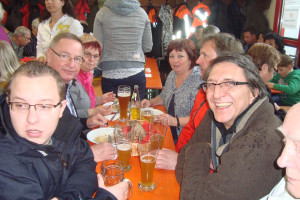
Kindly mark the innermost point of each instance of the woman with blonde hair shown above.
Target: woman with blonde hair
(8, 63)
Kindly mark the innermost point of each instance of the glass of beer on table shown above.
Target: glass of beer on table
(112, 172)
(123, 135)
(148, 151)
(159, 131)
(124, 93)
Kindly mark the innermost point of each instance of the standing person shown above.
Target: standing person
(237, 137)
(58, 17)
(289, 187)
(123, 28)
(181, 87)
(65, 56)
(85, 98)
(212, 46)
(35, 161)
(19, 39)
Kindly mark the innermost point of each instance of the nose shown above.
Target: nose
(286, 159)
(198, 61)
(218, 91)
(32, 115)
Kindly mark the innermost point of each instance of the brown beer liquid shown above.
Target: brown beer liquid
(123, 101)
(157, 141)
(124, 153)
(147, 169)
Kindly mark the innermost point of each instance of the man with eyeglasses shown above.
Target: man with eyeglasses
(64, 55)
(19, 39)
(237, 137)
(36, 161)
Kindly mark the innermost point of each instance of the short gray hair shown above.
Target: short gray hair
(21, 30)
(250, 71)
(210, 29)
(9, 61)
(64, 35)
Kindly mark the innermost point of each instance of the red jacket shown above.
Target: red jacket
(197, 113)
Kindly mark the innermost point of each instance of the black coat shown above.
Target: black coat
(65, 169)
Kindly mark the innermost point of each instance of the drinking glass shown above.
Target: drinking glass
(159, 131)
(124, 92)
(112, 172)
(123, 135)
(148, 151)
(147, 115)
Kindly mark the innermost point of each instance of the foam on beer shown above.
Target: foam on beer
(124, 147)
(148, 158)
(124, 94)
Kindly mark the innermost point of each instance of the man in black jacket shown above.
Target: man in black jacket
(35, 158)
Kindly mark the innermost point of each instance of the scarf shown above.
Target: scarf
(85, 79)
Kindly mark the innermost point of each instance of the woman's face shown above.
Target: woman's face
(179, 61)
(91, 57)
(54, 5)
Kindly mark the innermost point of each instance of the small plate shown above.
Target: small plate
(108, 104)
(155, 111)
(110, 116)
(92, 135)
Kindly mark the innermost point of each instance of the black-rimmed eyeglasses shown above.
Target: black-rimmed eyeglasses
(67, 58)
(224, 85)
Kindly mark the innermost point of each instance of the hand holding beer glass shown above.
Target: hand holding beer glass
(123, 134)
(112, 172)
(148, 151)
(124, 93)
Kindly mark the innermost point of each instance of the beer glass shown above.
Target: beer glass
(148, 150)
(159, 131)
(124, 93)
(147, 115)
(112, 172)
(123, 134)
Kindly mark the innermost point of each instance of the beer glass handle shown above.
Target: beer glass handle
(129, 194)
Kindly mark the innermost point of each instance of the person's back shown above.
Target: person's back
(288, 81)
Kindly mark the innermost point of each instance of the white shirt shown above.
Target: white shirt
(45, 34)
(279, 192)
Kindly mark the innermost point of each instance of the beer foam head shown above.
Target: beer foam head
(123, 147)
(124, 94)
(148, 158)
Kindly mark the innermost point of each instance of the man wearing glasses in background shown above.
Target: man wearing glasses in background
(237, 137)
(36, 162)
(19, 39)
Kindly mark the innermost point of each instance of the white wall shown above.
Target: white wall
(270, 13)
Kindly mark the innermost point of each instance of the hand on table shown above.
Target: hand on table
(103, 151)
(108, 97)
(145, 103)
(119, 191)
(166, 159)
(96, 120)
(105, 110)
(167, 119)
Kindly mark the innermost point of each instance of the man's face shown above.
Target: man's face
(24, 39)
(266, 74)
(284, 71)
(207, 53)
(68, 70)
(227, 104)
(249, 38)
(272, 43)
(35, 126)
(290, 156)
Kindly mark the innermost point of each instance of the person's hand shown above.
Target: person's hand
(108, 97)
(167, 119)
(103, 151)
(270, 85)
(145, 103)
(42, 59)
(105, 110)
(166, 159)
(119, 190)
(96, 120)
(276, 106)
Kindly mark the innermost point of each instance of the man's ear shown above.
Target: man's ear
(264, 68)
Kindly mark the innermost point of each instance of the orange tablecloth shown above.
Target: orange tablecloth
(166, 186)
(153, 82)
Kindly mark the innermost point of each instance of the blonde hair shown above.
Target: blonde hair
(8, 62)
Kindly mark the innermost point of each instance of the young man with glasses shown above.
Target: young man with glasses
(237, 137)
(36, 161)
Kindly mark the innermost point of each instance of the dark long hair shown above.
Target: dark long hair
(66, 9)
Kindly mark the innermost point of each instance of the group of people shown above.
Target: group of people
(223, 118)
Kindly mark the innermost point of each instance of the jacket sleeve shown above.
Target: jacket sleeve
(76, 28)
(247, 170)
(39, 49)
(98, 27)
(147, 42)
(82, 179)
(292, 88)
(17, 180)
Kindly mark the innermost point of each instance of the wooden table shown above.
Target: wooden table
(166, 186)
(153, 82)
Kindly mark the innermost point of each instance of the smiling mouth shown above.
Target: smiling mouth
(223, 105)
